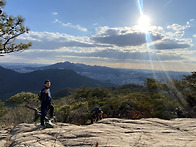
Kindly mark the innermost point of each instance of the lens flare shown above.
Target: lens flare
(144, 24)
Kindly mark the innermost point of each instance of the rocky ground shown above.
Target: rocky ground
(110, 132)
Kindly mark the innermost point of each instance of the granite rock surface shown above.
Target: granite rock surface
(110, 132)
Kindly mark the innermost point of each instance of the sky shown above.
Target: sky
(133, 34)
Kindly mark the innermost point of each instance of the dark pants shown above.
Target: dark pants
(44, 110)
(95, 116)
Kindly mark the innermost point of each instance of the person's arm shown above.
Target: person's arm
(46, 90)
(43, 93)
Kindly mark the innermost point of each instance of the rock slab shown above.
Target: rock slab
(110, 132)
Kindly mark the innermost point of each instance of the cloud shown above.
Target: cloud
(50, 40)
(78, 27)
(123, 37)
(126, 43)
(171, 44)
(114, 38)
(54, 13)
(156, 38)
(126, 55)
(177, 27)
(190, 22)
(179, 30)
(106, 55)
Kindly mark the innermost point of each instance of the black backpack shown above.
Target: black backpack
(40, 96)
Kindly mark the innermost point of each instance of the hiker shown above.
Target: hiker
(96, 114)
(179, 113)
(46, 102)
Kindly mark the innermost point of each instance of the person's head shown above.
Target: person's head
(47, 84)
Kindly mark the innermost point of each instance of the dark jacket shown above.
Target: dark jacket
(96, 110)
(46, 97)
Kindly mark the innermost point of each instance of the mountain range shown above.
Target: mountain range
(13, 82)
(15, 78)
(105, 74)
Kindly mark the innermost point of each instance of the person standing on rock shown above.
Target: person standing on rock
(46, 102)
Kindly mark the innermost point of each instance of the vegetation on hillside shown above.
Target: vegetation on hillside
(166, 100)
(35, 79)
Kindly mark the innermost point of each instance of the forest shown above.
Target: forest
(165, 100)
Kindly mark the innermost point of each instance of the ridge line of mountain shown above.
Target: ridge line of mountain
(15, 82)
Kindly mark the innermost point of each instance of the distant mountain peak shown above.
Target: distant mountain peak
(14, 82)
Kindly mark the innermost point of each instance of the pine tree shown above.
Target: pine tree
(10, 28)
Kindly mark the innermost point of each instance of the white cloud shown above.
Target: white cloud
(54, 13)
(105, 37)
(123, 43)
(130, 37)
(50, 40)
(123, 37)
(177, 27)
(127, 55)
(167, 43)
(114, 38)
(78, 27)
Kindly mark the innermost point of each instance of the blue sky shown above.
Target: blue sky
(107, 33)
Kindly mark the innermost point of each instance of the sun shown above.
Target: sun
(144, 23)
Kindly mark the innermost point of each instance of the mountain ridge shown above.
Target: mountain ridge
(14, 82)
(117, 76)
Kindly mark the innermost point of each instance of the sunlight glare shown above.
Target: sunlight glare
(144, 23)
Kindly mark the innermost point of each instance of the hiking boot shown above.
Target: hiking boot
(42, 126)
